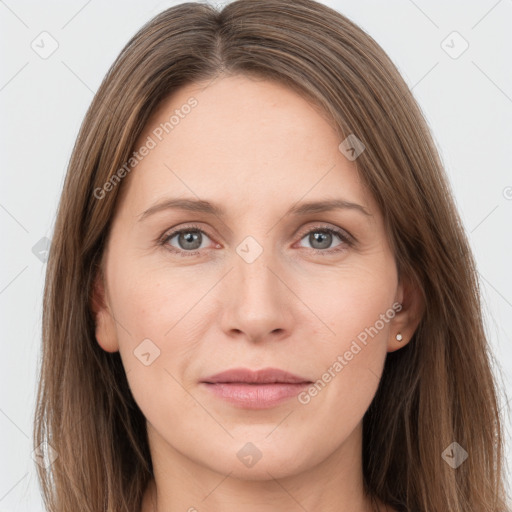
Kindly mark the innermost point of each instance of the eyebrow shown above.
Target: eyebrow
(202, 206)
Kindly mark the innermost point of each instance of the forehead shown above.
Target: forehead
(241, 141)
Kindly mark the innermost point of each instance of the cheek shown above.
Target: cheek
(154, 294)
(356, 304)
(157, 330)
(351, 298)
(159, 304)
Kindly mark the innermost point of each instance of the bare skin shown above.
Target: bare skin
(255, 149)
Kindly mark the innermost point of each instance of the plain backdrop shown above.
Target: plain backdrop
(465, 94)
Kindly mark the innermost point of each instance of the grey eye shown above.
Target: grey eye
(187, 239)
(322, 238)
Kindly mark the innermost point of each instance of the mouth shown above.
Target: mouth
(259, 389)
(264, 376)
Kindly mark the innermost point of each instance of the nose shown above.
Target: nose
(258, 305)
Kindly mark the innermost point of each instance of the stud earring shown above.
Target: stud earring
(398, 337)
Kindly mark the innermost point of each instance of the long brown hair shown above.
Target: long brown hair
(437, 390)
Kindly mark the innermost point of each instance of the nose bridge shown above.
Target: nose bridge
(253, 262)
(258, 302)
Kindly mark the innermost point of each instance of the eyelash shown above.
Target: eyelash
(346, 239)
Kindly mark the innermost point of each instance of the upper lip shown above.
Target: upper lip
(263, 376)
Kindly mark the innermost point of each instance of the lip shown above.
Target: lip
(260, 389)
(263, 376)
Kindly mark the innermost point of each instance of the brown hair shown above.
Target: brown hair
(436, 390)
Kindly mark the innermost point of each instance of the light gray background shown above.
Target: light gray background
(466, 100)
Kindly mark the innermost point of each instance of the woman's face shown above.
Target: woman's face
(260, 278)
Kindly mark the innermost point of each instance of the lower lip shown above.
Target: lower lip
(256, 396)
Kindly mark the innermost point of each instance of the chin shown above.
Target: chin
(263, 460)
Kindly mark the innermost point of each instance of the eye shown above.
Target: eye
(187, 241)
(321, 238)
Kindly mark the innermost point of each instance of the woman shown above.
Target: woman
(259, 294)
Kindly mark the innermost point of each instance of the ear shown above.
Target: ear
(407, 318)
(105, 326)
